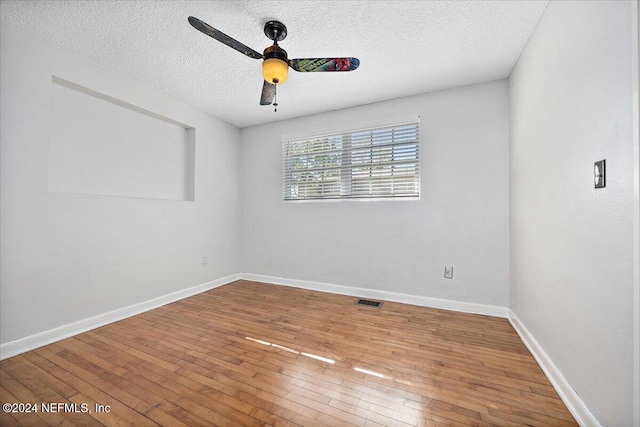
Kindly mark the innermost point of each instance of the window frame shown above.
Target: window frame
(409, 149)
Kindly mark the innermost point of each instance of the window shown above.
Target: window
(377, 162)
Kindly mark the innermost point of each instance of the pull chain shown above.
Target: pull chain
(275, 98)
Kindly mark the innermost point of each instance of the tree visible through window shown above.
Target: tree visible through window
(371, 163)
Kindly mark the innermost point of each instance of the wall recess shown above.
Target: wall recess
(101, 145)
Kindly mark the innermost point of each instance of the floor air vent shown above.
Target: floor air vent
(369, 303)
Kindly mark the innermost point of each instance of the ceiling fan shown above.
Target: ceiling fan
(275, 63)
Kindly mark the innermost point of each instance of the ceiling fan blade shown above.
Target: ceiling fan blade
(268, 93)
(306, 65)
(223, 38)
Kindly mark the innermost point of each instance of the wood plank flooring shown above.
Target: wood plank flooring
(252, 354)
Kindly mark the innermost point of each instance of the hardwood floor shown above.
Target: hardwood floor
(264, 355)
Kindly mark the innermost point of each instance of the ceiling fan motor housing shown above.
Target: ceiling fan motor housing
(275, 51)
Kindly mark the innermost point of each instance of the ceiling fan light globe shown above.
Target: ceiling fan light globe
(275, 71)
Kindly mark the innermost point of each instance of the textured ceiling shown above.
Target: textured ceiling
(405, 47)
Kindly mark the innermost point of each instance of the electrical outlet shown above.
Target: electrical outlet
(448, 272)
(204, 260)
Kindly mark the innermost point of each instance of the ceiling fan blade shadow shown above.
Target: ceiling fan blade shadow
(268, 93)
(207, 29)
(310, 65)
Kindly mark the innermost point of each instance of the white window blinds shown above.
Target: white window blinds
(378, 162)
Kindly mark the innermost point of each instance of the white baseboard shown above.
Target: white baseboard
(576, 406)
(466, 307)
(40, 339)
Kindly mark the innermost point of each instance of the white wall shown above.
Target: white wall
(401, 246)
(65, 258)
(572, 245)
